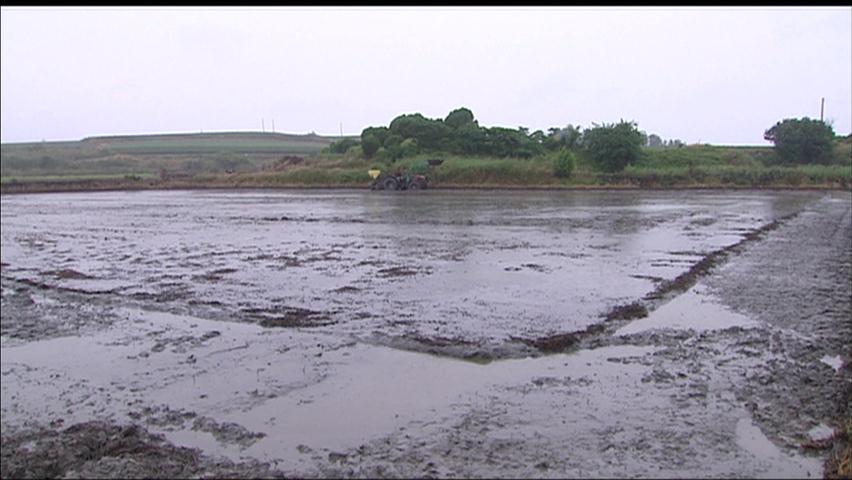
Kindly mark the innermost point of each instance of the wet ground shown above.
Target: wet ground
(445, 334)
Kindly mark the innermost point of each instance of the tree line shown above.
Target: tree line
(609, 147)
(459, 133)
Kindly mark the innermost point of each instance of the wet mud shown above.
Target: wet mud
(463, 334)
(102, 450)
(664, 290)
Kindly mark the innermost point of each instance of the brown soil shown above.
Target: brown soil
(104, 450)
(627, 312)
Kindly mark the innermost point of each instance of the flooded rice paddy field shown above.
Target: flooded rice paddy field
(443, 334)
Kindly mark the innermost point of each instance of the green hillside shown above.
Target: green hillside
(151, 154)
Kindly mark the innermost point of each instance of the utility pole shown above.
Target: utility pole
(262, 126)
(341, 129)
(273, 125)
(821, 108)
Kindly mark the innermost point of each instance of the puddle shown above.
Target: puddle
(695, 310)
(777, 464)
(380, 390)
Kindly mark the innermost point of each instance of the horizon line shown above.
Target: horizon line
(154, 134)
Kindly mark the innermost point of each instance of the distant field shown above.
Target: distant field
(151, 154)
(178, 143)
(212, 143)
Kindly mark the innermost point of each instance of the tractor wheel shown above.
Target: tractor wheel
(390, 183)
(414, 186)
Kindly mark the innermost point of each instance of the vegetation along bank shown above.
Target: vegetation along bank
(806, 153)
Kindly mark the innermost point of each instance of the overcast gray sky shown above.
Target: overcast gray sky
(709, 75)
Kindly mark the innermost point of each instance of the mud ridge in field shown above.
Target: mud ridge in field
(289, 317)
(589, 337)
(665, 291)
(47, 286)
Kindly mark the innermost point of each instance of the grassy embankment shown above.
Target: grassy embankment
(279, 160)
(687, 167)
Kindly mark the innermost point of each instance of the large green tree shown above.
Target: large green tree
(459, 133)
(507, 142)
(469, 139)
(429, 134)
(654, 141)
(567, 137)
(613, 147)
(802, 141)
(370, 144)
(459, 118)
(381, 133)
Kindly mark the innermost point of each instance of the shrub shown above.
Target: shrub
(408, 147)
(355, 151)
(382, 155)
(613, 147)
(342, 145)
(563, 163)
(802, 141)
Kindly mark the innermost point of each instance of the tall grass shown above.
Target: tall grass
(705, 156)
(485, 171)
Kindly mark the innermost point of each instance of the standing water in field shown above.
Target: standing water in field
(413, 269)
(287, 328)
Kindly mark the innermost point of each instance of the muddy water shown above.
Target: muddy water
(406, 270)
(289, 328)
